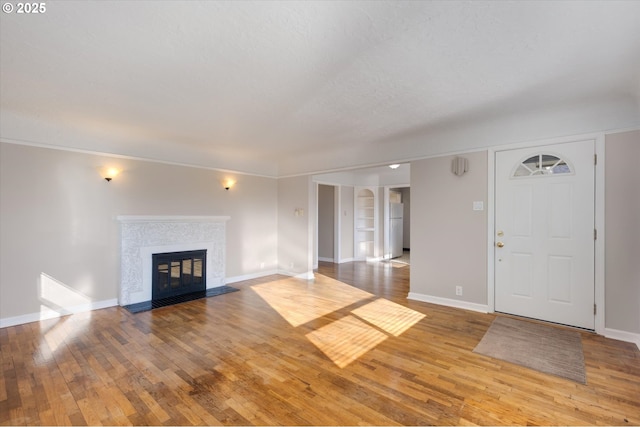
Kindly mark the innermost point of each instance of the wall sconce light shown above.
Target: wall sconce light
(227, 183)
(459, 165)
(110, 173)
(394, 166)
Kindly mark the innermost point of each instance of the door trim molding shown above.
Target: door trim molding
(599, 263)
(599, 209)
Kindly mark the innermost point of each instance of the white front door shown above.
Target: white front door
(544, 251)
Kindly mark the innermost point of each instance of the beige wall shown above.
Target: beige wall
(622, 228)
(58, 218)
(448, 238)
(295, 231)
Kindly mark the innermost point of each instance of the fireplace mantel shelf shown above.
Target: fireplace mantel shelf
(170, 218)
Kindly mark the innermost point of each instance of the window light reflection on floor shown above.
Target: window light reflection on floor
(390, 317)
(57, 301)
(372, 321)
(346, 339)
(299, 303)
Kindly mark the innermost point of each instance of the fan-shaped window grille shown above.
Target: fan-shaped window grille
(542, 164)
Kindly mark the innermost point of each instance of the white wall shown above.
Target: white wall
(57, 221)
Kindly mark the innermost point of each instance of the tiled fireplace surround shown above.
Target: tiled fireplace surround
(143, 236)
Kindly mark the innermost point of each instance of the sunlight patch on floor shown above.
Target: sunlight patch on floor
(390, 317)
(398, 264)
(351, 336)
(301, 302)
(345, 340)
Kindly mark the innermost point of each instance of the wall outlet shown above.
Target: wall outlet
(458, 290)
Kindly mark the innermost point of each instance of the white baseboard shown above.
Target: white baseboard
(465, 305)
(48, 313)
(304, 276)
(341, 261)
(623, 336)
(250, 276)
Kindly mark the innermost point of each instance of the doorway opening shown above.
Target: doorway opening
(398, 224)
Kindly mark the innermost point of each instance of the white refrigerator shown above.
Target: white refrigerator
(396, 212)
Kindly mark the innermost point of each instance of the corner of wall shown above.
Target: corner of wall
(623, 336)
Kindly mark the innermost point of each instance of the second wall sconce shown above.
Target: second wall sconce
(227, 183)
(459, 165)
(110, 173)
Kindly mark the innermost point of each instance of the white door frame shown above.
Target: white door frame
(599, 219)
(337, 223)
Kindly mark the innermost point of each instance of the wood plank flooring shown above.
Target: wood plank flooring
(349, 349)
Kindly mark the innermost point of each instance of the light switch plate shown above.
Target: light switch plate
(478, 206)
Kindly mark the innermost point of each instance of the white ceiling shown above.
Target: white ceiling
(283, 88)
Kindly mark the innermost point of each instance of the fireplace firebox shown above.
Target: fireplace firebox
(178, 273)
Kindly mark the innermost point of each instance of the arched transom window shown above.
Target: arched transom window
(542, 164)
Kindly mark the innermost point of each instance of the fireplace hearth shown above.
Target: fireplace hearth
(192, 296)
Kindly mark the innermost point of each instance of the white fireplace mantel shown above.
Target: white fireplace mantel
(145, 235)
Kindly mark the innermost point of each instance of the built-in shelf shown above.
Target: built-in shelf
(365, 227)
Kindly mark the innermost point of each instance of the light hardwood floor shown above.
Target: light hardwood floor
(348, 349)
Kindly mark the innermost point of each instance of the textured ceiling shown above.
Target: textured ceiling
(281, 88)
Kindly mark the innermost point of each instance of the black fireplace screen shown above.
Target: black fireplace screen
(177, 273)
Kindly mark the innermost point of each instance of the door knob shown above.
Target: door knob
(499, 244)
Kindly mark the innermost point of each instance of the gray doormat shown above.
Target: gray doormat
(537, 346)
